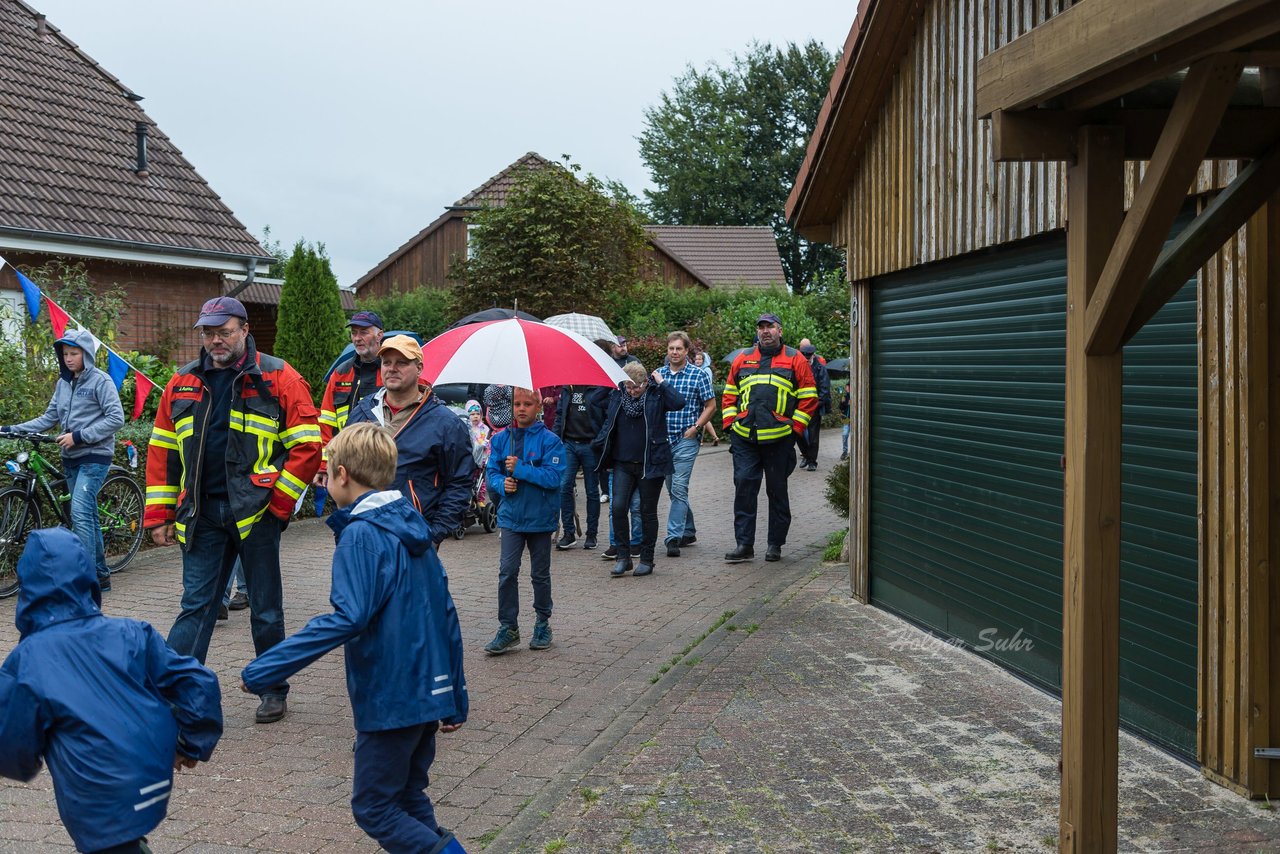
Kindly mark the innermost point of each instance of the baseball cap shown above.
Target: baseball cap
(404, 345)
(621, 340)
(219, 310)
(366, 318)
(768, 318)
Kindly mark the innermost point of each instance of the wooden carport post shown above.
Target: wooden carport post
(1091, 527)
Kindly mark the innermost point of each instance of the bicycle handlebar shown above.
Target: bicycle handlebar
(34, 438)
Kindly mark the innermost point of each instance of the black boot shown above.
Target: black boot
(740, 554)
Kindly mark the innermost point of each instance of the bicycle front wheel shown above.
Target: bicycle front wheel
(19, 516)
(120, 516)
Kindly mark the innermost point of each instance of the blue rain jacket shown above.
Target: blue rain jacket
(535, 505)
(102, 699)
(392, 609)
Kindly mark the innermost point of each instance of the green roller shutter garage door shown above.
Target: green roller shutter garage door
(967, 376)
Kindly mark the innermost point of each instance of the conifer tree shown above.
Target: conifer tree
(310, 324)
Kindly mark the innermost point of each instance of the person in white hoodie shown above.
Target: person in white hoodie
(87, 406)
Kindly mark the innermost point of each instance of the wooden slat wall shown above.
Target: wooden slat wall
(425, 265)
(1239, 604)
(926, 187)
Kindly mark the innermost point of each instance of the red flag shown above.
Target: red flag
(141, 388)
(58, 317)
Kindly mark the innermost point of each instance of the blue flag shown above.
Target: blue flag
(118, 368)
(32, 293)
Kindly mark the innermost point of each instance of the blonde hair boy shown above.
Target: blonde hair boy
(367, 454)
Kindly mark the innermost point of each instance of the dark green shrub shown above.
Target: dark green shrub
(426, 311)
(837, 492)
(310, 326)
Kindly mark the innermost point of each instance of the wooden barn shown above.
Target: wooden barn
(1062, 228)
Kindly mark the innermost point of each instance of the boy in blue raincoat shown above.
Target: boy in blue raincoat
(392, 609)
(103, 700)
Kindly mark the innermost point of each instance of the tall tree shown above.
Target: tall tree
(310, 323)
(724, 147)
(557, 244)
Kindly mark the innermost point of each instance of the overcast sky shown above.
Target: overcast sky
(356, 123)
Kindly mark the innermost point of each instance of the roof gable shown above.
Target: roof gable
(723, 255)
(494, 192)
(68, 154)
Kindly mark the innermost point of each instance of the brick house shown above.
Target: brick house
(86, 176)
(683, 256)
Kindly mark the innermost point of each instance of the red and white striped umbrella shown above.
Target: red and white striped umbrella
(518, 353)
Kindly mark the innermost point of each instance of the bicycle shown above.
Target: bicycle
(35, 478)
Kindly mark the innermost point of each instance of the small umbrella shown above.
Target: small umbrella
(587, 325)
(730, 357)
(492, 314)
(516, 352)
(838, 366)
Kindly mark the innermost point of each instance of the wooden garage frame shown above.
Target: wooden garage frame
(1082, 88)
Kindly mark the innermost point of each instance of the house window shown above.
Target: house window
(13, 310)
(469, 227)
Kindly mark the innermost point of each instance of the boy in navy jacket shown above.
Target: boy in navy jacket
(392, 609)
(526, 465)
(103, 700)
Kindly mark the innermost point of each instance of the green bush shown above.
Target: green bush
(837, 492)
(426, 311)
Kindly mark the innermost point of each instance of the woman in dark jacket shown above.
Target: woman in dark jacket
(633, 442)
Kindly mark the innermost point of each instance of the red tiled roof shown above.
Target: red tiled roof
(67, 154)
(494, 192)
(267, 292)
(724, 255)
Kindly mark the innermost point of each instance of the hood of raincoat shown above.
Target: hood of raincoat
(390, 511)
(58, 581)
(76, 338)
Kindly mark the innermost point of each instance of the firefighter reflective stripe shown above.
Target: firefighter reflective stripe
(329, 418)
(258, 425)
(729, 412)
(341, 415)
(290, 485)
(262, 465)
(162, 496)
(763, 434)
(301, 433)
(244, 526)
(163, 439)
(730, 388)
(801, 417)
(184, 427)
(180, 529)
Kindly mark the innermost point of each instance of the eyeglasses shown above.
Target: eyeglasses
(631, 386)
(224, 334)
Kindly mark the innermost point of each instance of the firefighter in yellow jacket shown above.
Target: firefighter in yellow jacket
(769, 399)
(235, 443)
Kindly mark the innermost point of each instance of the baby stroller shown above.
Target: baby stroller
(479, 509)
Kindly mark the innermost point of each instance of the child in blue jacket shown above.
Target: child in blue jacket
(103, 700)
(392, 609)
(526, 464)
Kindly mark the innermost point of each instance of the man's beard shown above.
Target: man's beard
(230, 358)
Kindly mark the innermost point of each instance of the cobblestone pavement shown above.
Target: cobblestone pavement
(803, 722)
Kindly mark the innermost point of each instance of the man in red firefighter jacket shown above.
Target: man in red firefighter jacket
(354, 378)
(769, 399)
(234, 445)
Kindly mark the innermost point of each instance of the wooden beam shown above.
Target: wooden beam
(1049, 135)
(1227, 36)
(1093, 39)
(1091, 523)
(1183, 143)
(1198, 242)
(860, 441)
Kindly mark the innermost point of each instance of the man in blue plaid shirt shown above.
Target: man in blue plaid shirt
(684, 429)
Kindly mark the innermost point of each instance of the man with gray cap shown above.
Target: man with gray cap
(353, 378)
(235, 442)
(808, 442)
(769, 399)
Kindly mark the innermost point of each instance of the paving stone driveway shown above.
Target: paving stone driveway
(804, 722)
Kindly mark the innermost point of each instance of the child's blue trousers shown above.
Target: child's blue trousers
(388, 797)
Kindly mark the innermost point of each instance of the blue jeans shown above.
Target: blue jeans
(844, 440)
(684, 453)
(236, 580)
(388, 790)
(637, 530)
(513, 546)
(628, 482)
(212, 547)
(83, 482)
(580, 455)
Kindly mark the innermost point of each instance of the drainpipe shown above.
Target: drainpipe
(250, 267)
